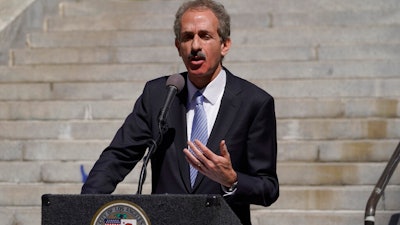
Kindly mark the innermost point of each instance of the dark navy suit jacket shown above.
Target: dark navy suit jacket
(246, 121)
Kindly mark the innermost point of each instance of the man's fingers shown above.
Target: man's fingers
(192, 159)
(224, 149)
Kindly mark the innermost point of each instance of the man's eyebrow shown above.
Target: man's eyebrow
(199, 32)
(187, 32)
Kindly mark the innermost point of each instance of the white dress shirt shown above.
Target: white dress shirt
(212, 100)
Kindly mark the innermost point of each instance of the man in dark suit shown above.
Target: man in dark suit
(237, 161)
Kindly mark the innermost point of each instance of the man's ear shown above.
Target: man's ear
(178, 46)
(226, 46)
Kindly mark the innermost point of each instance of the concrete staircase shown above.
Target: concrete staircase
(333, 67)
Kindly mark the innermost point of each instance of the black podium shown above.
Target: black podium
(159, 209)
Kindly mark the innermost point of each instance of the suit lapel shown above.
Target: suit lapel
(230, 105)
(181, 138)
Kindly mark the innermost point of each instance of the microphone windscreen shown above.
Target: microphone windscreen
(177, 81)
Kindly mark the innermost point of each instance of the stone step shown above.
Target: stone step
(233, 6)
(345, 129)
(96, 73)
(346, 151)
(278, 36)
(334, 198)
(71, 91)
(288, 129)
(284, 107)
(359, 52)
(288, 151)
(160, 54)
(62, 130)
(291, 198)
(65, 110)
(339, 18)
(55, 172)
(318, 217)
(348, 69)
(17, 194)
(52, 150)
(130, 21)
(102, 38)
(21, 215)
(317, 88)
(325, 173)
(16, 18)
(289, 173)
(336, 150)
(293, 107)
(330, 88)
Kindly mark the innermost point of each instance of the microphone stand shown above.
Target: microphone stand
(174, 84)
(153, 145)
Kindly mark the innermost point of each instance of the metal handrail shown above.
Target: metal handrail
(369, 218)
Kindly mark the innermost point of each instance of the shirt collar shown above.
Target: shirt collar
(212, 91)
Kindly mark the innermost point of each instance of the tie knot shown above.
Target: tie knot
(198, 97)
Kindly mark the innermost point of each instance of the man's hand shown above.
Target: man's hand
(216, 167)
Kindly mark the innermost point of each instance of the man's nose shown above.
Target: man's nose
(196, 44)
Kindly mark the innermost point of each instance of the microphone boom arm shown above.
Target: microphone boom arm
(174, 84)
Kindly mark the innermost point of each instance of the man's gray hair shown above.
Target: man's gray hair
(224, 20)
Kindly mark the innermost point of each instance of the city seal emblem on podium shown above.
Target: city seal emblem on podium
(120, 213)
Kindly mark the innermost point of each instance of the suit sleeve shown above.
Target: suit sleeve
(126, 149)
(258, 183)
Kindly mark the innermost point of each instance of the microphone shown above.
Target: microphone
(174, 84)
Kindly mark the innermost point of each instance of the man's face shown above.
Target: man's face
(200, 46)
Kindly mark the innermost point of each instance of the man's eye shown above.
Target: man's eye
(206, 37)
(186, 37)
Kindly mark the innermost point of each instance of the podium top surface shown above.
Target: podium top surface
(158, 209)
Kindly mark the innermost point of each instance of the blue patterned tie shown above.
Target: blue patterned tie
(199, 129)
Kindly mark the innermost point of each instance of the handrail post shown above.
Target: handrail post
(369, 218)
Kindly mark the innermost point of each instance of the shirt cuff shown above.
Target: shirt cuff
(229, 191)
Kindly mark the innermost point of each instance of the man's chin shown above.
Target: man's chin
(197, 72)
